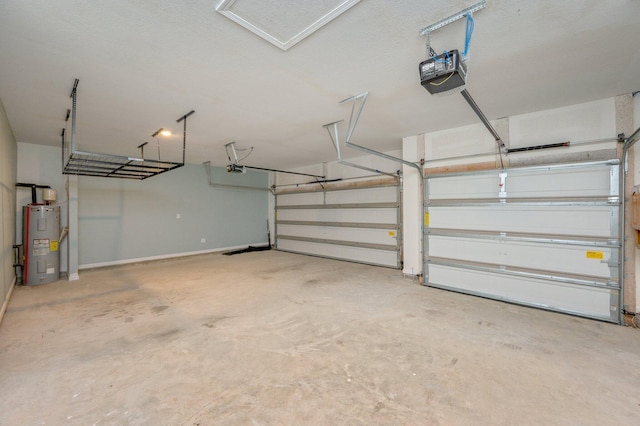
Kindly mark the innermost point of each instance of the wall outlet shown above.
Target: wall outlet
(203, 240)
(178, 216)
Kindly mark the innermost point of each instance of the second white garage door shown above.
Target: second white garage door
(355, 224)
(541, 236)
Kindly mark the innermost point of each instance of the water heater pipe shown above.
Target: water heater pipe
(63, 233)
(33, 186)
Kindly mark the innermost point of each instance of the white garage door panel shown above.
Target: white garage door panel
(551, 239)
(354, 254)
(580, 260)
(300, 199)
(340, 215)
(367, 195)
(534, 182)
(356, 224)
(594, 302)
(369, 236)
(556, 220)
(448, 188)
(560, 183)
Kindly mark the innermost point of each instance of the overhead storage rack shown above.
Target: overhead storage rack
(83, 163)
(114, 166)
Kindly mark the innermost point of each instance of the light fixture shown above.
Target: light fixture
(161, 131)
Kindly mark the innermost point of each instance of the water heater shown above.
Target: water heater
(40, 237)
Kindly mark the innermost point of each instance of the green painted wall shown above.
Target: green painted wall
(122, 220)
(8, 166)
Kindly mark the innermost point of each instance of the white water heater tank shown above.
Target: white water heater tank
(40, 236)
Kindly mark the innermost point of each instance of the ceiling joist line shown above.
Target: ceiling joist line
(83, 163)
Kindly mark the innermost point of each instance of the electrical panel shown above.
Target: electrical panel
(443, 72)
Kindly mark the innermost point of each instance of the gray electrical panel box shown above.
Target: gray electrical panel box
(40, 234)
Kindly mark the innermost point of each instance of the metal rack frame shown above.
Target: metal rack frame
(114, 166)
(82, 163)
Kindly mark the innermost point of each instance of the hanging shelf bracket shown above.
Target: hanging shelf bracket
(357, 105)
(453, 18)
(332, 129)
(81, 163)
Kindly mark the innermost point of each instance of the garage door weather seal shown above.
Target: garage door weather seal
(247, 250)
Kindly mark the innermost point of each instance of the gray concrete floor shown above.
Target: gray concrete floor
(278, 338)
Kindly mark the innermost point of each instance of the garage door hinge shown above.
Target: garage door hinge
(503, 185)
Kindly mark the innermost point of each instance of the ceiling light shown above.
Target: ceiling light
(161, 131)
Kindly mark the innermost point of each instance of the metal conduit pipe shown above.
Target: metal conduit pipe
(353, 121)
(335, 139)
(628, 144)
(387, 156)
(33, 186)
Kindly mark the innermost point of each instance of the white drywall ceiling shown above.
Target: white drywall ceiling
(142, 64)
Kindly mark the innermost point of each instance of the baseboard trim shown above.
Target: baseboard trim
(6, 299)
(162, 256)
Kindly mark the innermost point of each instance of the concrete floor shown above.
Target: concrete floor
(277, 338)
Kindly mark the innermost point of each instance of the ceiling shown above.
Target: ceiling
(142, 64)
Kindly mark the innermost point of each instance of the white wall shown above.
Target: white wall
(121, 220)
(576, 123)
(8, 154)
(413, 151)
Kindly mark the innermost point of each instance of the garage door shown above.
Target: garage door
(547, 236)
(355, 224)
